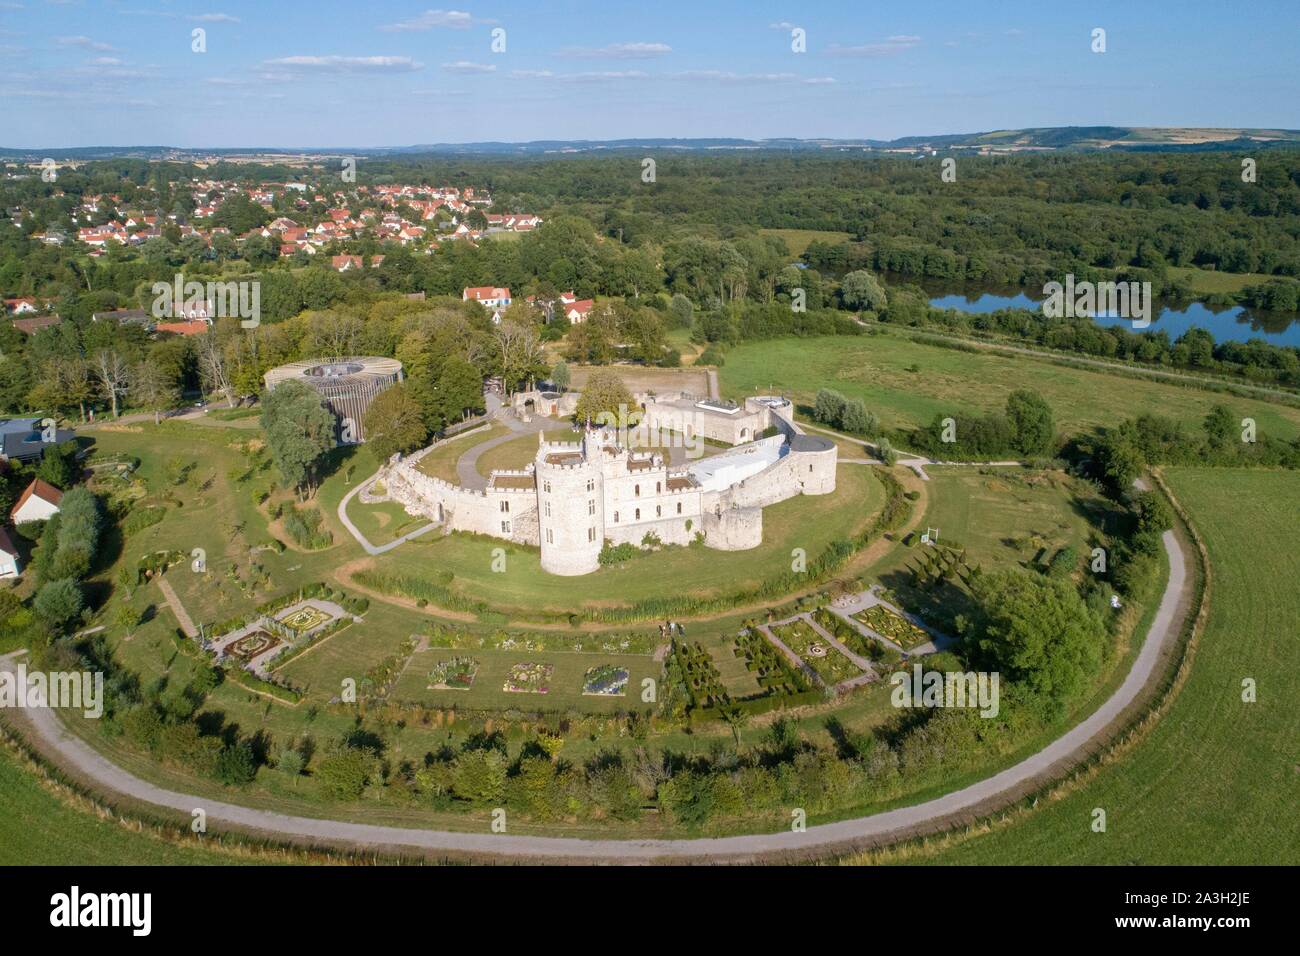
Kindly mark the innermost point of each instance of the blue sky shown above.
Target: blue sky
(353, 73)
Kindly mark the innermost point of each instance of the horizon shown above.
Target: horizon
(393, 76)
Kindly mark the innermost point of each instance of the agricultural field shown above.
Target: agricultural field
(879, 370)
(1215, 781)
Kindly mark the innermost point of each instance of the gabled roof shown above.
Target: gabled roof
(38, 489)
(7, 544)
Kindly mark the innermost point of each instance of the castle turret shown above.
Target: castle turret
(570, 507)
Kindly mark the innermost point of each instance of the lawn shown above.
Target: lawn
(1216, 781)
(564, 683)
(441, 462)
(38, 828)
(1210, 281)
(513, 455)
(797, 240)
(808, 522)
(875, 368)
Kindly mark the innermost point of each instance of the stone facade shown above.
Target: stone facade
(576, 496)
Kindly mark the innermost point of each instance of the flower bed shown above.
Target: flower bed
(888, 624)
(251, 645)
(606, 680)
(305, 618)
(458, 673)
(531, 678)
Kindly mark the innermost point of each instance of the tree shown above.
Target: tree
(520, 350)
(856, 420)
(1037, 631)
(828, 407)
(153, 389)
(127, 618)
(1219, 427)
(394, 423)
(861, 290)
(59, 602)
(1032, 429)
(299, 430)
(682, 310)
(560, 375)
(111, 372)
(605, 394)
(212, 366)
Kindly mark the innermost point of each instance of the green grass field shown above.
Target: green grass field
(797, 240)
(441, 462)
(515, 454)
(875, 368)
(39, 828)
(565, 688)
(1218, 780)
(1208, 281)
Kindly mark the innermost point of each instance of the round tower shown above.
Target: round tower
(570, 507)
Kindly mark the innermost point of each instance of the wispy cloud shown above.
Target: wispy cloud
(215, 18)
(465, 66)
(86, 43)
(725, 76)
(617, 51)
(346, 64)
(590, 77)
(433, 20)
(892, 46)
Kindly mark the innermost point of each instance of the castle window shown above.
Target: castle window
(505, 507)
(591, 534)
(546, 487)
(591, 506)
(637, 490)
(810, 467)
(548, 509)
(591, 483)
(615, 517)
(659, 487)
(659, 511)
(505, 527)
(638, 514)
(679, 507)
(550, 539)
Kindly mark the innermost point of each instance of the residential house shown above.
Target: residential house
(9, 565)
(38, 502)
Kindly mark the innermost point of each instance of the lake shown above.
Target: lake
(1232, 323)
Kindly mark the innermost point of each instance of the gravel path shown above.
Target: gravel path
(45, 727)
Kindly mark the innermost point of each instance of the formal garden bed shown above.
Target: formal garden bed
(251, 645)
(889, 625)
(530, 678)
(441, 635)
(457, 673)
(815, 651)
(854, 639)
(305, 619)
(605, 680)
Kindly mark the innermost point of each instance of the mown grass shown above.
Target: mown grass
(951, 382)
(1209, 281)
(798, 240)
(1218, 780)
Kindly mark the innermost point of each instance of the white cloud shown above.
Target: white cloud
(86, 43)
(589, 77)
(724, 76)
(783, 25)
(618, 51)
(346, 64)
(433, 19)
(215, 18)
(105, 61)
(892, 45)
(465, 66)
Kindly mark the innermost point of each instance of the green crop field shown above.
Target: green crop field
(1218, 780)
(797, 240)
(875, 368)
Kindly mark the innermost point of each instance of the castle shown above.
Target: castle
(576, 496)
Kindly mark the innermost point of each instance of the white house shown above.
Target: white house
(38, 502)
(9, 567)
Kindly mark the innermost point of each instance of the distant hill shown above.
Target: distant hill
(1044, 139)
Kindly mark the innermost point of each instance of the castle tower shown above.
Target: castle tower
(570, 506)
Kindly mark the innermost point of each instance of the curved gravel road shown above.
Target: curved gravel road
(45, 726)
